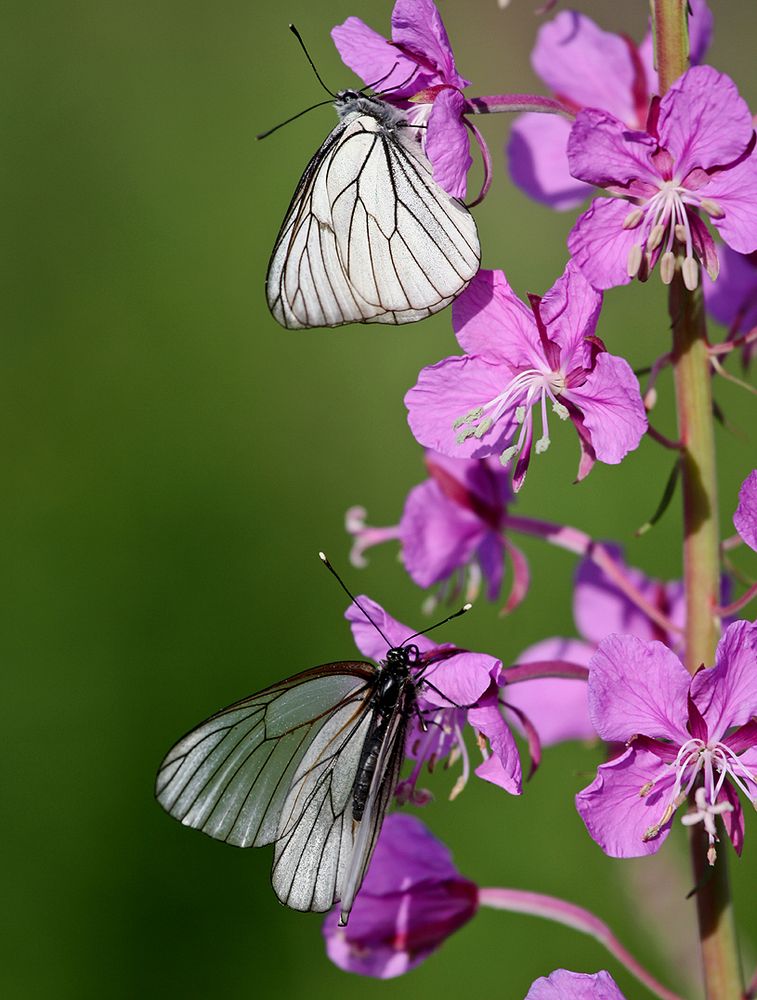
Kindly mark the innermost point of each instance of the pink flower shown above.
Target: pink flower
(411, 900)
(558, 708)
(564, 985)
(459, 687)
(745, 518)
(685, 735)
(452, 530)
(517, 358)
(695, 155)
(585, 66)
(416, 71)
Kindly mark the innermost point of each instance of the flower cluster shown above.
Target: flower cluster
(672, 163)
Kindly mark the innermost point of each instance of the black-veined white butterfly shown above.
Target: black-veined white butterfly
(370, 237)
(309, 765)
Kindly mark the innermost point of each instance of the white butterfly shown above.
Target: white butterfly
(370, 237)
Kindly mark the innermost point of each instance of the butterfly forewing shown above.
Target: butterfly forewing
(231, 775)
(370, 236)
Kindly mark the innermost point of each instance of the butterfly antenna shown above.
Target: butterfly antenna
(355, 601)
(298, 36)
(462, 611)
(299, 114)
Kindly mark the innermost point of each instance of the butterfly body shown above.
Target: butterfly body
(369, 235)
(395, 692)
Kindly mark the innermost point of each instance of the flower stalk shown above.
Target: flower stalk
(551, 908)
(720, 959)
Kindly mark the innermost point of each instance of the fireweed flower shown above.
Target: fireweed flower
(745, 518)
(416, 72)
(685, 735)
(461, 687)
(451, 531)
(558, 708)
(518, 358)
(564, 985)
(585, 66)
(696, 155)
(411, 900)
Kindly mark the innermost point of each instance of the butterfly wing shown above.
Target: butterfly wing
(231, 775)
(369, 235)
(379, 798)
(322, 852)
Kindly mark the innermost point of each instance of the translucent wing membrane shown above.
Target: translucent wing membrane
(380, 795)
(231, 776)
(369, 235)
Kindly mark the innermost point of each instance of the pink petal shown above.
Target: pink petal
(438, 536)
(726, 694)
(537, 154)
(459, 681)
(745, 518)
(448, 144)
(417, 26)
(557, 707)
(735, 190)
(637, 687)
(490, 320)
(703, 121)
(612, 407)
(491, 558)
(615, 813)
(600, 245)
(585, 65)
(502, 767)
(600, 608)
(367, 638)
(603, 150)
(376, 61)
(479, 486)
(570, 310)
(564, 985)
(412, 898)
(449, 390)
(733, 821)
(732, 299)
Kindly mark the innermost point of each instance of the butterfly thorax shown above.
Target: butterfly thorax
(352, 102)
(394, 693)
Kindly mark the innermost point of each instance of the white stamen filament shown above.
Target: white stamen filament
(532, 386)
(667, 211)
(715, 763)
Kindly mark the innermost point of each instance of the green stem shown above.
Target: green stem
(671, 39)
(717, 932)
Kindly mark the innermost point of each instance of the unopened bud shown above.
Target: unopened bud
(667, 267)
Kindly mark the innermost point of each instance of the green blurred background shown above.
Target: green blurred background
(174, 461)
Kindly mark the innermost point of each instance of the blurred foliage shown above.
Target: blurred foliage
(174, 460)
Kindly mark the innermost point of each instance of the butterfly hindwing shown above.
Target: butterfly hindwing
(369, 235)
